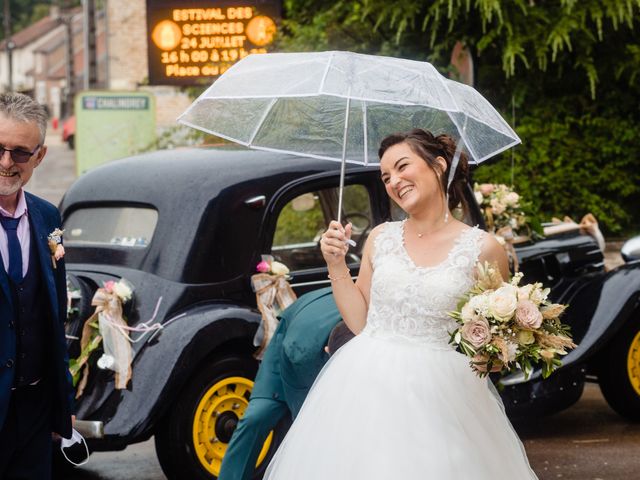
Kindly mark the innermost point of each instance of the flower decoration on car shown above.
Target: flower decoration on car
(54, 240)
(505, 216)
(501, 208)
(107, 327)
(504, 326)
(269, 265)
(273, 294)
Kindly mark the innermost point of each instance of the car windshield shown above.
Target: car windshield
(123, 226)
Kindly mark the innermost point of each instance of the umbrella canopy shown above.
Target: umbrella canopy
(340, 105)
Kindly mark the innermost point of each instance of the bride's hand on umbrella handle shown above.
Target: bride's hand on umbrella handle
(335, 242)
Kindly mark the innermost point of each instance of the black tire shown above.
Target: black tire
(174, 437)
(71, 141)
(619, 371)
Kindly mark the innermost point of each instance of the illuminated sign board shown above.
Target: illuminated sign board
(193, 42)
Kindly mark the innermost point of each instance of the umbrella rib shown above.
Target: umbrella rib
(307, 155)
(261, 121)
(326, 72)
(364, 128)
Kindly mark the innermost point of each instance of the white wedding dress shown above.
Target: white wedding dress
(397, 402)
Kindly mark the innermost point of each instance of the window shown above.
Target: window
(123, 226)
(304, 219)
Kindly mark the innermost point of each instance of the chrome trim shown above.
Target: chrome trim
(258, 201)
(316, 282)
(513, 379)
(89, 428)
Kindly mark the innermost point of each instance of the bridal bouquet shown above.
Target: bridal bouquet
(505, 326)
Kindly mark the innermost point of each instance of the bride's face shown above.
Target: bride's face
(409, 181)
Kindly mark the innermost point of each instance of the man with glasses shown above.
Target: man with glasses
(35, 385)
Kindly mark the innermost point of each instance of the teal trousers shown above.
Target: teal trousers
(261, 416)
(289, 367)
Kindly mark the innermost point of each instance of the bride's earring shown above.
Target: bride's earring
(446, 207)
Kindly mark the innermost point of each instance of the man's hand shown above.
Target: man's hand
(57, 438)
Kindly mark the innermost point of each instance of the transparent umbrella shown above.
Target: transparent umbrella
(340, 105)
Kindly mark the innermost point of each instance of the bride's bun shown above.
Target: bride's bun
(429, 147)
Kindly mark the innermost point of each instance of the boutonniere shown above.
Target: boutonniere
(55, 246)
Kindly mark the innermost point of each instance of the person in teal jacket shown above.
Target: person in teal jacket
(291, 362)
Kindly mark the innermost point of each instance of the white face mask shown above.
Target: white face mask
(67, 442)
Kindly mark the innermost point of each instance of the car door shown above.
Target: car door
(299, 215)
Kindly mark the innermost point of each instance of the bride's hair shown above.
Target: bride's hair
(429, 147)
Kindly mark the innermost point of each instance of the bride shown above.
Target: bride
(397, 402)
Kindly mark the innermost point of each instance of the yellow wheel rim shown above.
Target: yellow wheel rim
(222, 403)
(633, 363)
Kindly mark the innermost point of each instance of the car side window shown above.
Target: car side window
(303, 220)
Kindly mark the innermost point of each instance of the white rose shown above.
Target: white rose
(511, 199)
(278, 268)
(479, 197)
(122, 290)
(106, 362)
(503, 302)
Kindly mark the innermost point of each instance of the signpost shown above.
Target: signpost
(112, 125)
(192, 43)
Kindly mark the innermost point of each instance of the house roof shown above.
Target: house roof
(32, 32)
(36, 30)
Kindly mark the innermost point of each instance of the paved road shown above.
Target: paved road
(586, 442)
(56, 172)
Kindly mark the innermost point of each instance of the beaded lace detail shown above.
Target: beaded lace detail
(411, 302)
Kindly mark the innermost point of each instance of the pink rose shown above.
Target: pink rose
(486, 189)
(477, 332)
(263, 267)
(108, 286)
(528, 315)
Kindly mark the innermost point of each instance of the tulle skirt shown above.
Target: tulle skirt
(392, 409)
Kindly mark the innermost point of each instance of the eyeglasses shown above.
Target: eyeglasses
(17, 155)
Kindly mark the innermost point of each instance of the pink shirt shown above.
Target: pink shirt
(23, 232)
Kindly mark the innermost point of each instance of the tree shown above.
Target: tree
(568, 69)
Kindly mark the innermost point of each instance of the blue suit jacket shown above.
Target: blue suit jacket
(43, 219)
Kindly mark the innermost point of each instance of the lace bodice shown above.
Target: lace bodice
(411, 302)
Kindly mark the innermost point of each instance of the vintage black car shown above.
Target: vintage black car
(187, 228)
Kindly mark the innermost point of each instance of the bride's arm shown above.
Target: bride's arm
(491, 251)
(351, 298)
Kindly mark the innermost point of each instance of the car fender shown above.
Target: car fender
(169, 359)
(609, 302)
